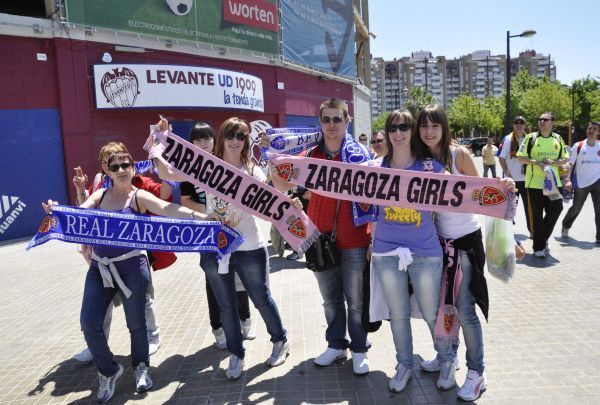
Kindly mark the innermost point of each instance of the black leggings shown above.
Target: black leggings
(214, 313)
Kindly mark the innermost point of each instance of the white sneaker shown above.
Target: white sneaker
(280, 351)
(153, 345)
(329, 356)
(474, 385)
(540, 253)
(360, 363)
(247, 332)
(564, 233)
(85, 356)
(398, 383)
(107, 385)
(235, 369)
(220, 339)
(433, 365)
(446, 379)
(143, 382)
(547, 248)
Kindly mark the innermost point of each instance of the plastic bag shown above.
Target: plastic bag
(500, 248)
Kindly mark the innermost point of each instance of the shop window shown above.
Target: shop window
(28, 8)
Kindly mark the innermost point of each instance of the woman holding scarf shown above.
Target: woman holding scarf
(405, 245)
(463, 245)
(131, 283)
(249, 261)
(203, 136)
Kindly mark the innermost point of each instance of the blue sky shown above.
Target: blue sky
(567, 30)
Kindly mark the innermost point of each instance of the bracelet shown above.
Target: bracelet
(192, 215)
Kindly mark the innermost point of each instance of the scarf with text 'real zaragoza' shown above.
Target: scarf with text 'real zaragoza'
(136, 231)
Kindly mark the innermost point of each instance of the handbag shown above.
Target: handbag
(324, 255)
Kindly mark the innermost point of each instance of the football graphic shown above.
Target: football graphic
(180, 7)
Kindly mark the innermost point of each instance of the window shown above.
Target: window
(28, 8)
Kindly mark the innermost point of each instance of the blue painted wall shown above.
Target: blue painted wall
(32, 167)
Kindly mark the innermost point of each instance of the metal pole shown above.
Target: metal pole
(572, 114)
(507, 114)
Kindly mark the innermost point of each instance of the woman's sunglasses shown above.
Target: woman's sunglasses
(401, 127)
(374, 141)
(115, 166)
(240, 136)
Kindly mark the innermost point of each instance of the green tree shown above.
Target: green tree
(379, 122)
(417, 100)
(595, 106)
(547, 96)
(464, 114)
(584, 90)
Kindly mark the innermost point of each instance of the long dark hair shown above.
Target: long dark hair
(435, 113)
(202, 130)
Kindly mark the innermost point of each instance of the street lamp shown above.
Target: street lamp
(524, 34)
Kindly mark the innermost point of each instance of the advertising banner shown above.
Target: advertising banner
(319, 33)
(133, 86)
(248, 24)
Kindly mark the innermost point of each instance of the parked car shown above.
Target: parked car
(475, 145)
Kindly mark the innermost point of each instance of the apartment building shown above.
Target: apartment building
(479, 73)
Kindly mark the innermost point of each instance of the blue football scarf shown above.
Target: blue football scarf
(291, 141)
(109, 228)
(355, 152)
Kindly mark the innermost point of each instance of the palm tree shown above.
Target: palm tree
(418, 99)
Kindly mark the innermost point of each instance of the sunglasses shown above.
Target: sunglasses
(374, 141)
(401, 127)
(240, 136)
(544, 119)
(115, 166)
(327, 120)
(519, 122)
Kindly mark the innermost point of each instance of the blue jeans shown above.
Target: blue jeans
(346, 281)
(96, 300)
(469, 321)
(425, 275)
(251, 267)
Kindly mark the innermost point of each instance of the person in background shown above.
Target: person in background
(378, 144)
(362, 138)
(488, 153)
(540, 150)
(203, 136)
(584, 170)
(511, 166)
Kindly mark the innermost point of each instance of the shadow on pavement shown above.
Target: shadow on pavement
(569, 241)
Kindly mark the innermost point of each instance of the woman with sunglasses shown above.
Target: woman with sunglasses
(538, 151)
(158, 260)
(203, 136)
(405, 249)
(463, 231)
(378, 144)
(133, 270)
(249, 262)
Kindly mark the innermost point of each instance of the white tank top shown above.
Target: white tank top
(453, 225)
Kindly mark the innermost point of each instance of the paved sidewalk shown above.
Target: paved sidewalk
(542, 341)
